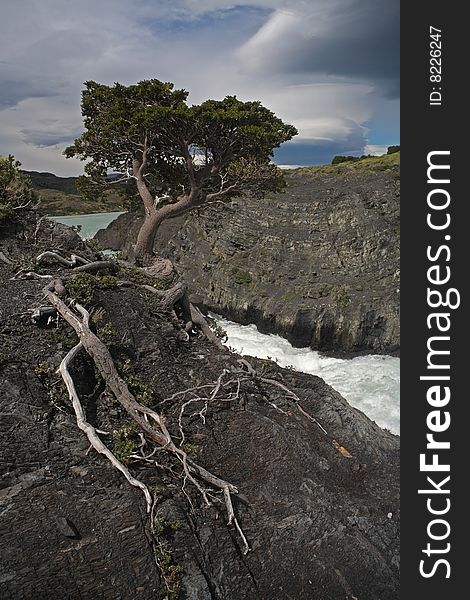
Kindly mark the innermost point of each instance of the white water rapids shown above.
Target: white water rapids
(370, 383)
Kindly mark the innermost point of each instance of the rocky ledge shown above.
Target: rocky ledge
(317, 263)
(320, 510)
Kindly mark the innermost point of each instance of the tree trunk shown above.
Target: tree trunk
(143, 249)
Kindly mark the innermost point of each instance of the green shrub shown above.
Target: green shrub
(241, 277)
(16, 189)
(341, 159)
(82, 288)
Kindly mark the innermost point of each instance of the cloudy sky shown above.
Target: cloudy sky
(330, 67)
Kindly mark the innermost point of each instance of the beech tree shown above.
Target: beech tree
(179, 157)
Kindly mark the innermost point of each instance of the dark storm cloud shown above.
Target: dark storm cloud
(43, 139)
(14, 88)
(319, 152)
(355, 39)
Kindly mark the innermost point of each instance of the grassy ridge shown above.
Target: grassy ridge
(364, 165)
(59, 196)
(55, 202)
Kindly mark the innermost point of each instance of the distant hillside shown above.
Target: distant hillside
(49, 181)
(59, 196)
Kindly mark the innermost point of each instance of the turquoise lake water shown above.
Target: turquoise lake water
(89, 223)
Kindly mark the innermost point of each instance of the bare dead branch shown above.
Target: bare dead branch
(22, 274)
(90, 431)
(38, 227)
(297, 402)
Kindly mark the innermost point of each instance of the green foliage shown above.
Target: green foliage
(123, 450)
(98, 315)
(104, 329)
(62, 336)
(341, 159)
(54, 385)
(192, 450)
(82, 288)
(169, 570)
(360, 167)
(393, 149)
(106, 333)
(170, 573)
(217, 329)
(159, 525)
(28, 263)
(241, 277)
(124, 444)
(6, 212)
(143, 391)
(16, 189)
(107, 282)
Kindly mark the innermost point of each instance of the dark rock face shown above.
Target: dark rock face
(318, 263)
(321, 526)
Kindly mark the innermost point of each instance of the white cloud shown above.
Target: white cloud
(375, 149)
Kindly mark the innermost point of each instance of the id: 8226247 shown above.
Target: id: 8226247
(435, 66)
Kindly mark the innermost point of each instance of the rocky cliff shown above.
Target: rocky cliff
(317, 263)
(320, 510)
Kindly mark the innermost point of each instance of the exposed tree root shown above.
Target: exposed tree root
(22, 274)
(99, 266)
(78, 263)
(151, 422)
(198, 319)
(90, 431)
(57, 258)
(143, 415)
(175, 296)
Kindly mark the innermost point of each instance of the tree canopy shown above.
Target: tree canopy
(179, 154)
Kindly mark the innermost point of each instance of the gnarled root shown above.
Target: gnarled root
(78, 263)
(144, 416)
(178, 296)
(53, 257)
